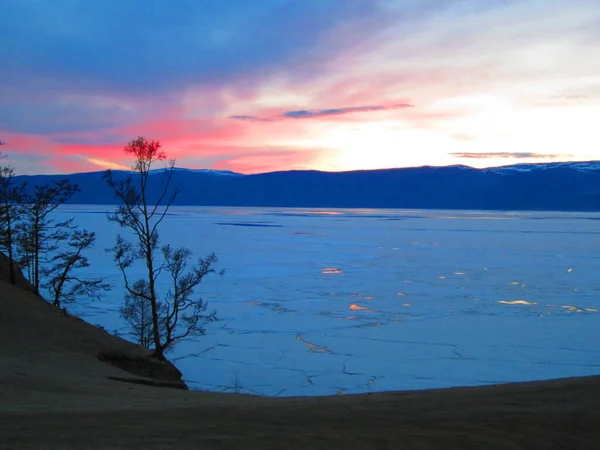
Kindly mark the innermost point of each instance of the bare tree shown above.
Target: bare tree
(64, 286)
(181, 313)
(11, 199)
(40, 233)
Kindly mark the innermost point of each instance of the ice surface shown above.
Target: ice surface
(318, 302)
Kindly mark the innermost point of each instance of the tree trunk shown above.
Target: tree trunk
(158, 349)
(36, 258)
(11, 269)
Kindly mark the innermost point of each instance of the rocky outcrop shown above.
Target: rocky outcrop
(153, 371)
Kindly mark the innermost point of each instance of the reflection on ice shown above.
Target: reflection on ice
(516, 302)
(355, 307)
(366, 297)
(572, 308)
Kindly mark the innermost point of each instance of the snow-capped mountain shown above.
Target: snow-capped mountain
(581, 166)
(224, 173)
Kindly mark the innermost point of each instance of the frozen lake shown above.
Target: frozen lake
(320, 302)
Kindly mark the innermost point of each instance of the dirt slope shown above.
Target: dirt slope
(56, 393)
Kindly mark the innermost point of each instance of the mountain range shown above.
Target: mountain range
(567, 186)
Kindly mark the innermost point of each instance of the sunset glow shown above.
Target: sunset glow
(264, 86)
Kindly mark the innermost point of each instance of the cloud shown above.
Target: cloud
(103, 164)
(251, 118)
(16, 159)
(507, 155)
(310, 114)
(316, 113)
(569, 97)
(463, 137)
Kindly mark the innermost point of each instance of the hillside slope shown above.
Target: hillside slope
(37, 337)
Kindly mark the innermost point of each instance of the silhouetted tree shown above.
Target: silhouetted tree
(40, 234)
(11, 200)
(63, 285)
(27, 229)
(181, 313)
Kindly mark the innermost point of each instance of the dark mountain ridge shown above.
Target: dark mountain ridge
(571, 186)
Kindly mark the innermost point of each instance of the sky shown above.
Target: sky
(267, 85)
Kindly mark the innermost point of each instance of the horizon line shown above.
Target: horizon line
(325, 171)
